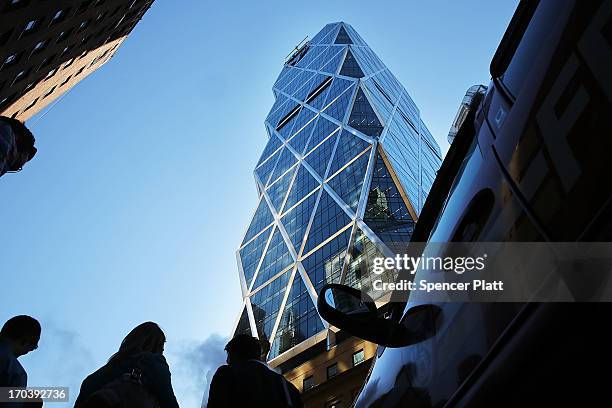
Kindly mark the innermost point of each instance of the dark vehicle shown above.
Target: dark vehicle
(530, 164)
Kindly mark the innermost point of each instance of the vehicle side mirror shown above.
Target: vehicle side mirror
(355, 312)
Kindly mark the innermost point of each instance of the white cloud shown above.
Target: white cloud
(61, 360)
(193, 365)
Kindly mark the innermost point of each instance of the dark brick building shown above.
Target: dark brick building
(48, 46)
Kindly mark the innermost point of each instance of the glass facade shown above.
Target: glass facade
(342, 179)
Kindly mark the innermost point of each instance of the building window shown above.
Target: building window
(39, 46)
(83, 25)
(68, 63)
(80, 71)
(65, 81)
(16, 4)
(66, 50)
(59, 16)
(11, 59)
(5, 101)
(31, 104)
(30, 27)
(50, 73)
(308, 383)
(120, 20)
(28, 87)
(83, 54)
(332, 371)
(49, 92)
(63, 35)
(358, 357)
(21, 76)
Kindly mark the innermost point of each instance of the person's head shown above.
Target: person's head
(243, 348)
(144, 337)
(23, 333)
(24, 142)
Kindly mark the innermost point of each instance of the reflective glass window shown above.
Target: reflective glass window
(319, 159)
(266, 304)
(250, 255)
(303, 184)
(349, 181)
(299, 320)
(325, 265)
(386, 213)
(337, 109)
(296, 221)
(328, 219)
(349, 146)
(363, 118)
(262, 218)
(278, 190)
(276, 259)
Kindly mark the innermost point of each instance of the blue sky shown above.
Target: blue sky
(142, 186)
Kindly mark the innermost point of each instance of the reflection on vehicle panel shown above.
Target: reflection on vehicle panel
(536, 170)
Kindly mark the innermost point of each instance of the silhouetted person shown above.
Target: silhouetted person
(19, 336)
(141, 350)
(246, 381)
(16, 145)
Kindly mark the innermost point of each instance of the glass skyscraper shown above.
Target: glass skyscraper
(342, 179)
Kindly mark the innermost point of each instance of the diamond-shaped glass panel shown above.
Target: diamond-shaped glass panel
(337, 109)
(296, 221)
(328, 219)
(349, 181)
(264, 171)
(304, 183)
(286, 160)
(317, 97)
(319, 158)
(278, 190)
(250, 255)
(273, 144)
(363, 117)
(276, 259)
(299, 320)
(350, 67)
(298, 142)
(285, 130)
(332, 66)
(262, 218)
(305, 117)
(386, 213)
(322, 130)
(325, 265)
(266, 304)
(338, 86)
(349, 146)
(343, 37)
